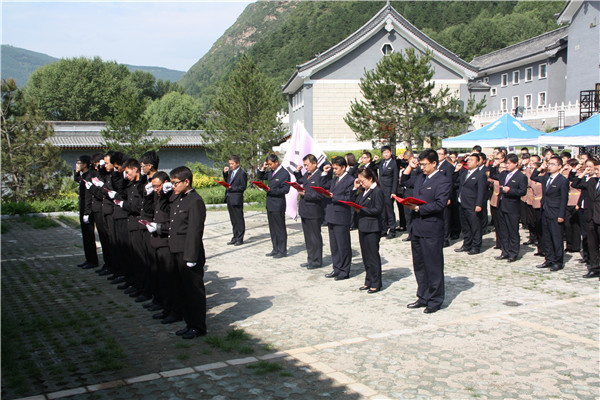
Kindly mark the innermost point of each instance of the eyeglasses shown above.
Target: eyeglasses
(424, 164)
(553, 164)
(157, 186)
(175, 183)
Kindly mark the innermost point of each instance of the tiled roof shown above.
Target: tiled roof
(530, 47)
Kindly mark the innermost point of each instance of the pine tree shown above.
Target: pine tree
(244, 121)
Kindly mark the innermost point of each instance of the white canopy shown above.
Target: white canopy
(585, 133)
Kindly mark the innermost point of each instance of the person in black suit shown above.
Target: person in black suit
(101, 185)
(447, 169)
(83, 175)
(388, 179)
(337, 216)
(370, 222)
(276, 204)
(311, 211)
(555, 196)
(471, 186)
(513, 185)
(427, 235)
(234, 197)
(366, 159)
(187, 215)
(591, 213)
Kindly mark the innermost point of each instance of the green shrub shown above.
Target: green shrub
(216, 195)
(40, 206)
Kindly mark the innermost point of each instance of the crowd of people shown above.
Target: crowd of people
(150, 223)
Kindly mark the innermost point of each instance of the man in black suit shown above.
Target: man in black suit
(311, 210)
(388, 179)
(367, 160)
(427, 239)
(234, 197)
(591, 213)
(337, 216)
(276, 204)
(447, 169)
(471, 185)
(513, 185)
(83, 175)
(186, 229)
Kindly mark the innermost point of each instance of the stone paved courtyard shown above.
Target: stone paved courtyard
(505, 330)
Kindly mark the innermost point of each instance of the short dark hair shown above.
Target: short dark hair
(557, 158)
(384, 148)
(573, 162)
(367, 153)
(525, 156)
(85, 159)
(351, 159)
(369, 174)
(565, 154)
(477, 148)
(429, 154)
(513, 158)
(310, 158)
(482, 156)
(151, 158)
(182, 173)
(117, 158)
(273, 157)
(453, 153)
(476, 155)
(132, 163)
(445, 150)
(235, 158)
(525, 148)
(340, 161)
(535, 156)
(548, 150)
(97, 157)
(595, 161)
(501, 154)
(163, 176)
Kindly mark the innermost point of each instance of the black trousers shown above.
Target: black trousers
(139, 264)
(401, 215)
(572, 229)
(471, 227)
(447, 223)
(583, 224)
(277, 230)
(553, 239)
(389, 218)
(428, 265)
(593, 235)
(109, 226)
(455, 225)
(495, 219)
(314, 240)
(236, 215)
(369, 249)
(171, 299)
(341, 251)
(89, 239)
(539, 231)
(190, 283)
(530, 224)
(103, 235)
(509, 233)
(483, 217)
(121, 249)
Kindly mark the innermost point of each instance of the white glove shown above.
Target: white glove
(118, 202)
(167, 186)
(149, 188)
(86, 219)
(97, 182)
(88, 185)
(102, 162)
(142, 172)
(191, 265)
(153, 227)
(112, 194)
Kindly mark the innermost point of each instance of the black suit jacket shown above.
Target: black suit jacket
(388, 177)
(133, 205)
(429, 220)
(162, 210)
(234, 196)
(335, 212)
(370, 217)
(85, 195)
(591, 210)
(278, 188)
(510, 202)
(311, 205)
(187, 214)
(472, 191)
(555, 197)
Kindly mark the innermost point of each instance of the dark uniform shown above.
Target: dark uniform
(592, 221)
(472, 189)
(388, 179)
(234, 197)
(278, 188)
(370, 223)
(85, 209)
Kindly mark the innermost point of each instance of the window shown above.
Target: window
(297, 100)
(493, 91)
(528, 104)
(528, 74)
(541, 99)
(515, 102)
(503, 105)
(504, 80)
(542, 71)
(516, 77)
(486, 79)
(387, 49)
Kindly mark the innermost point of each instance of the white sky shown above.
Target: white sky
(164, 34)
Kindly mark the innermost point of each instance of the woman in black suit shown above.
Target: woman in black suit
(370, 223)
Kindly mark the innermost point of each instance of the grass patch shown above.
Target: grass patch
(265, 367)
(183, 345)
(38, 222)
(109, 357)
(182, 356)
(73, 222)
(235, 339)
(4, 227)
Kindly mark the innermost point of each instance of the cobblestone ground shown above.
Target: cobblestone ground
(505, 330)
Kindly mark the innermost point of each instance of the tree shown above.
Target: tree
(174, 111)
(244, 121)
(31, 166)
(127, 131)
(396, 93)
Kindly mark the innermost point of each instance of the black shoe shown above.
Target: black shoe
(332, 274)
(280, 255)
(154, 307)
(472, 252)
(406, 239)
(142, 298)
(136, 293)
(148, 305)
(501, 257)
(539, 254)
(271, 254)
(104, 272)
(182, 331)
(583, 261)
(315, 266)
(591, 274)
(512, 259)
(372, 290)
(340, 278)
(446, 244)
(496, 247)
(431, 310)
(528, 242)
(90, 266)
(556, 267)
(83, 264)
(238, 243)
(364, 288)
(402, 229)
(130, 290)
(416, 304)
(391, 235)
(123, 286)
(170, 319)
(160, 315)
(461, 249)
(544, 265)
(192, 333)
(100, 269)
(305, 265)
(118, 279)
(231, 242)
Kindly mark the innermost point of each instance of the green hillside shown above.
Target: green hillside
(20, 63)
(281, 35)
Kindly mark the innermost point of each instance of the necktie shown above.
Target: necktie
(549, 182)
(231, 177)
(598, 186)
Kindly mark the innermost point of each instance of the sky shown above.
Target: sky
(166, 34)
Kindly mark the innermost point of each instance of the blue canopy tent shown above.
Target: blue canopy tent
(585, 133)
(504, 132)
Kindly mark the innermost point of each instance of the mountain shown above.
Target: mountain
(20, 63)
(281, 35)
